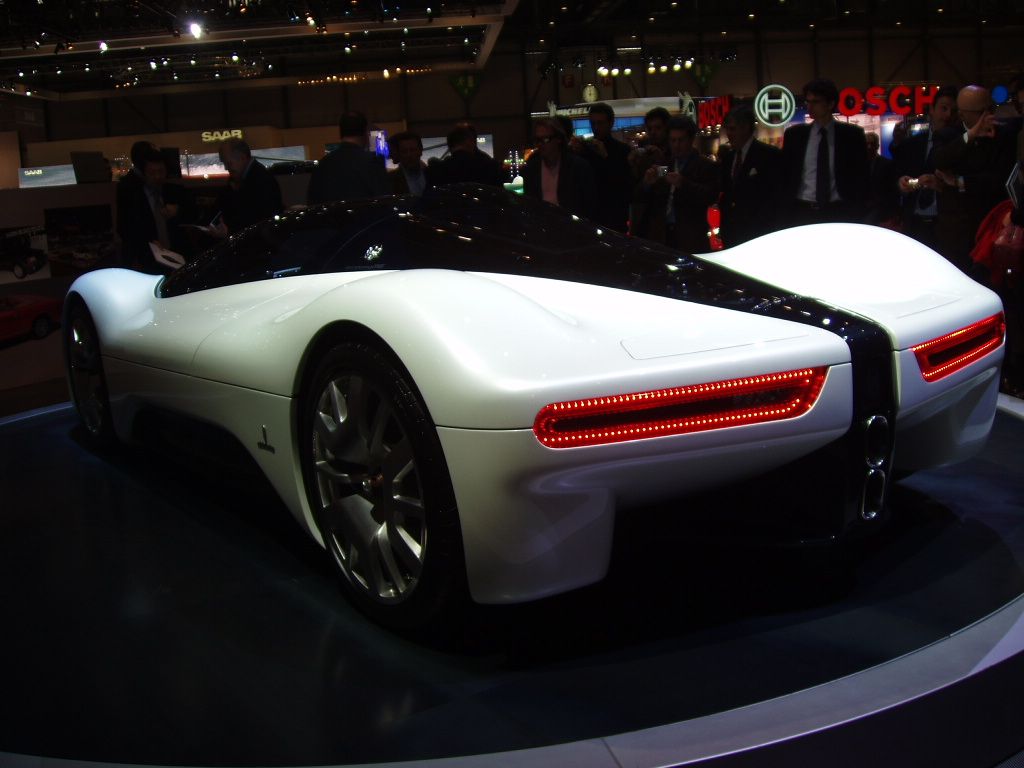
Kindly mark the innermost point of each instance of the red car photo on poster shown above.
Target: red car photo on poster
(28, 315)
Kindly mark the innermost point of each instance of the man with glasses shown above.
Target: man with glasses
(973, 161)
(557, 176)
(825, 162)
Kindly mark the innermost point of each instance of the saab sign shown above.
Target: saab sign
(213, 137)
(901, 100)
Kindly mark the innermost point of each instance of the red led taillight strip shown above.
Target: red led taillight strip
(947, 354)
(676, 411)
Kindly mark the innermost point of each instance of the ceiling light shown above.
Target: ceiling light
(152, 65)
(196, 30)
(103, 47)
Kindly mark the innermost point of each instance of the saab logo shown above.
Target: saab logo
(209, 137)
(34, 172)
(901, 100)
(713, 111)
(774, 105)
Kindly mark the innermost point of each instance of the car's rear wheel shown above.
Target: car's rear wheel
(379, 488)
(85, 374)
(41, 327)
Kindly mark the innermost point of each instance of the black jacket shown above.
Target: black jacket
(851, 164)
(750, 200)
(576, 190)
(700, 188)
(613, 177)
(348, 172)
(257, 198)
(465, 165)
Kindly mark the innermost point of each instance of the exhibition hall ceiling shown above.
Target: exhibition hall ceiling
(78, 48)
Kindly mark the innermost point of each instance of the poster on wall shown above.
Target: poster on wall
(80, 237)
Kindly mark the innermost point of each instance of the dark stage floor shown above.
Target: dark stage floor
(155, 614)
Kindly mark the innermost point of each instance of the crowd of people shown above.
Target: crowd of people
(938, 187)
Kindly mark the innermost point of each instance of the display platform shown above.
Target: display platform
(158, 612)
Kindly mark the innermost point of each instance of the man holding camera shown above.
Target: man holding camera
(973, 159)
(915, 165)
(676, 196)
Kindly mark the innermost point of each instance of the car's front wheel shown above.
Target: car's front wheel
(85, 374)
(379, 488)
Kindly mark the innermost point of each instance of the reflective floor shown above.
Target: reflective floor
(157, 612)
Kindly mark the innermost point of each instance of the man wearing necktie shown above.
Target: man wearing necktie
(676, 196)
(825, 162)
(751, 177)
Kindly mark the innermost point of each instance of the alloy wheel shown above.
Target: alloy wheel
(369, 489)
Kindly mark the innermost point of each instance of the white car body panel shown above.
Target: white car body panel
(487, 351)
(937, 422)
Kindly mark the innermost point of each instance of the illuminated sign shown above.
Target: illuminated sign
(901, 100)
(33, 171)
(711, 112)
(774, 105)
(211, 137)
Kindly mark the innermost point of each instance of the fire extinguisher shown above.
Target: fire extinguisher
(714, 227)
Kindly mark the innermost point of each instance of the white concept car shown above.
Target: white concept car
(460, 392)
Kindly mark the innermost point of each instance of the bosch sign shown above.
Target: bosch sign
(712, 112)
(902, 100)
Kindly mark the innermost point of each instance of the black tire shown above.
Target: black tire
(378, 484)
(86, 378)
(41, 327)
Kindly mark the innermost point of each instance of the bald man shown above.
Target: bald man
(973, 162)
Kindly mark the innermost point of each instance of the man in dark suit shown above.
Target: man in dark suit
(350, 171)
(555, 174)
(410, 177)
(136, 226)
(825, 162)
(465, 161)
(751, 179)
(253, 193)
(883, 201)
(609, 160)
(147, 210)
(914, 159)
(973, 161)
(677, 195)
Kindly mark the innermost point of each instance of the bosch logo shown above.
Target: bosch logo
(774, 105)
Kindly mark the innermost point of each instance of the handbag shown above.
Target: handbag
(1000, 246)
